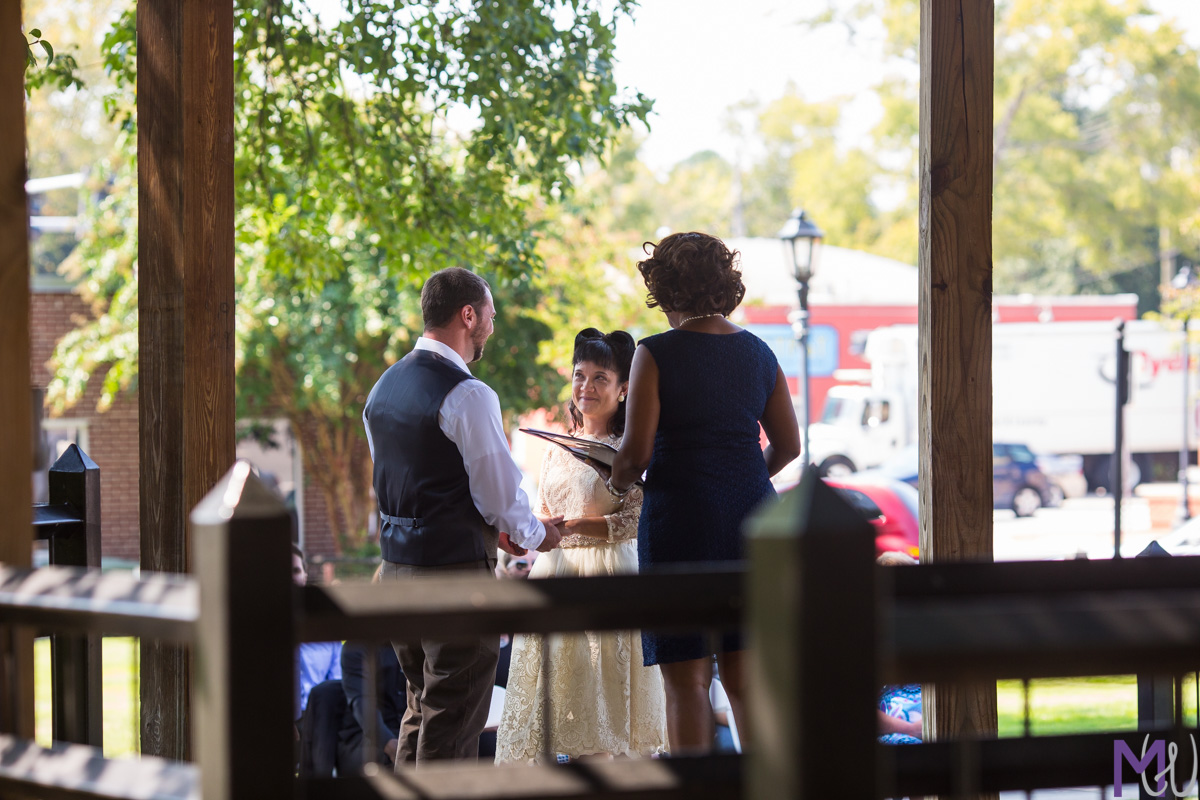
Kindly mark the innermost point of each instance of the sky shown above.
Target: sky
(696, 59)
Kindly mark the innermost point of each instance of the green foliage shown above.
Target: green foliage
(58, 71)
(103, 267)
(1074, 705)
(1096, 151)
(371, 150)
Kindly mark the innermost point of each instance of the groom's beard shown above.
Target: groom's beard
(478, 342)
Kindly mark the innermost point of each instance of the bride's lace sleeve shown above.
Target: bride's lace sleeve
(623, 523)
(541, 492)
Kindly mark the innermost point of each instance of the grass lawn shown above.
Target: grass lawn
(120, 674)
(1068, 705)
(1078, 705)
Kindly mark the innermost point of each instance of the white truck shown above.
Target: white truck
(1052, 388)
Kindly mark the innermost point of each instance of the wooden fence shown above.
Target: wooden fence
(826, 625)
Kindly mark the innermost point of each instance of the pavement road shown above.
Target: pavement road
(1082, 526)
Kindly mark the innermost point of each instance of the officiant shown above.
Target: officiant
(449, 495)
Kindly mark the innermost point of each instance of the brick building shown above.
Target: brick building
(111, 438)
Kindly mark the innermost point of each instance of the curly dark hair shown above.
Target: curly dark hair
(612, 351)
(692, 272)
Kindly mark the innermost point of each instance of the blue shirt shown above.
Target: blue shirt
(316, 662)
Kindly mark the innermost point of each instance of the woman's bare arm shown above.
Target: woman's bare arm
(779, 423)
(889, 724)
(641, 420)
(591, 527)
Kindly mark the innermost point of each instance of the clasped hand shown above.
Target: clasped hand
(553, 537)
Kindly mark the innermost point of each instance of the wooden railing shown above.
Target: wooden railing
(243, 617)
(826, 627)
(861, 626)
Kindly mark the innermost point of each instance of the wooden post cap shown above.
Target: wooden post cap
(239, 495)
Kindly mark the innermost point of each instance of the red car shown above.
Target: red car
(890, 505)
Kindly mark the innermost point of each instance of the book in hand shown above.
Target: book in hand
(585, 450)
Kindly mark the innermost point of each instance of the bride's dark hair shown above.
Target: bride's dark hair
(612, 351)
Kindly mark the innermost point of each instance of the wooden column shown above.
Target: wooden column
(185, 306)
(16, 414)
(955, 315)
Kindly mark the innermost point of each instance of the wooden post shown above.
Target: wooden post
(812, 684)
(241, 548)
(16, 414)
(77, 687)
(955, 316)
(185, 306)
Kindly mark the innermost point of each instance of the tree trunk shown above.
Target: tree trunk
(334, 457)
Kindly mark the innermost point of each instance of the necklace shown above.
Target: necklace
(683, 322)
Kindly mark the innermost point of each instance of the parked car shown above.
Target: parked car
(889, 505)
(1066, 477)
(896, 525)
(1017, 482)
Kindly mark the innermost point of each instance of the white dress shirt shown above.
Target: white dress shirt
(470, 417)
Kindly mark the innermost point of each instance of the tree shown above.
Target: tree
(356, 178)
(1095, 145)
(805, 164)
(64, 130)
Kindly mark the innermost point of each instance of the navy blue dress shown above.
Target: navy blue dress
(707, 473)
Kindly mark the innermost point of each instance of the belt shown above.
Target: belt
(407, 522)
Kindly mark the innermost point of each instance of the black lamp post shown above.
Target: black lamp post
(1182, 280)
(802, 246)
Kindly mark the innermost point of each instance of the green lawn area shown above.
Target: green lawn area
(1077, 705)
(1067, 705)
(120, 672)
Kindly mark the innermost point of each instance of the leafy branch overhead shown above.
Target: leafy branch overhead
(58, 71)
(374, 145)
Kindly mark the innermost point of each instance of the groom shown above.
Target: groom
(446, 485)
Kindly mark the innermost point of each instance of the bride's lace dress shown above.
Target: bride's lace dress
(602, 700)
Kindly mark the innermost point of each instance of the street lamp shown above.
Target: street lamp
(802, 246)
(1182, 280)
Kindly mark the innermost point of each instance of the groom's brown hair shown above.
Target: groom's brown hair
(447, 291)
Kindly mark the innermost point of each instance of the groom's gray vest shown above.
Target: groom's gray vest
(426, 512)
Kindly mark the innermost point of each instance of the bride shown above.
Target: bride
(602, 700)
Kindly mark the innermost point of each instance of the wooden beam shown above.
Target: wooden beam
(16, 413)
(955, 315)
(110, 603)
(450, 607)
(185, 306)
(71, 771)
(701, 778)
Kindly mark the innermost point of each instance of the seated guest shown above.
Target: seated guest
(316, 662)
(900, 714)
(899, 706)
(390, 702)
